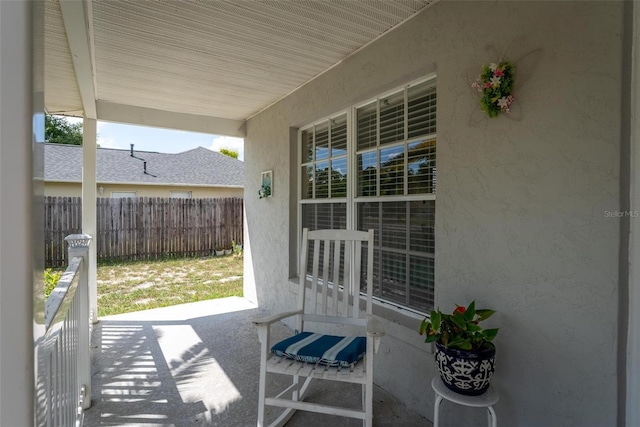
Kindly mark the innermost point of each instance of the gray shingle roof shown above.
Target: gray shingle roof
(199, 166)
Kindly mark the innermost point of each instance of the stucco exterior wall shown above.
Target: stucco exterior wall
(67, 189)
(526, 204)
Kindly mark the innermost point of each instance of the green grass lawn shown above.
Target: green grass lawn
(135, 286)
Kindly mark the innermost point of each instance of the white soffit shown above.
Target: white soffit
(227, 59)
(61, 94)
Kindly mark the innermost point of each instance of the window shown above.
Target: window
(117, 194)
(374, 166)
(324, 175)
(180, 194)
(324, 160)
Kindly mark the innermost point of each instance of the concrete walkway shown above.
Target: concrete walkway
(197, 364)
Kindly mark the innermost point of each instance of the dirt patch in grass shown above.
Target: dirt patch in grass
(135, 286)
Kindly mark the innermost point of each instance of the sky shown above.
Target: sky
(116, 135)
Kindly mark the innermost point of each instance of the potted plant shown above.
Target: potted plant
(219, 250)
(465, 353)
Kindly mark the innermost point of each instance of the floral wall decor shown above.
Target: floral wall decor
(495, 84)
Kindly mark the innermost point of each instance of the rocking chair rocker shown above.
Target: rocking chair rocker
(328, 299)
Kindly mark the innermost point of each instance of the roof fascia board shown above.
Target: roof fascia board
(154, 184)
(121, 113)
(170, 184)
(76, 23)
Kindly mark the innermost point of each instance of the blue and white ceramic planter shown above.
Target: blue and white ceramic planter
(466, 372)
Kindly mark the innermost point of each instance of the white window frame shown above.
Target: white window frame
(123, 194)
(180, 194)
(352, 200)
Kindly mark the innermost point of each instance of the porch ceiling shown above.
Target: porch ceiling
(210, 59)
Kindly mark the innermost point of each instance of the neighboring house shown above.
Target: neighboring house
(191, 174)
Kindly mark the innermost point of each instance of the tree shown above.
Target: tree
(58, 130)
(229, 152)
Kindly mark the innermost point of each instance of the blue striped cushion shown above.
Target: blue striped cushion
(324, 349)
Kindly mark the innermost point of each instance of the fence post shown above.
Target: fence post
(79, 247)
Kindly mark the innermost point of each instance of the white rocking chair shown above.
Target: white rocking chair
(328, 299)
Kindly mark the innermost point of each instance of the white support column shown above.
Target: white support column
(89, 218)
(17, 236)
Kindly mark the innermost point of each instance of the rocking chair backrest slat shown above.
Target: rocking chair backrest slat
(354, 288)
(303, 265)
(336, 277)
(336, 272)
(341, 290)
(314, 277)
(346, 278)
(325, 274)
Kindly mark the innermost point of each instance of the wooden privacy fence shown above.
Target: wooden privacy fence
(63, 216)
(145, 228)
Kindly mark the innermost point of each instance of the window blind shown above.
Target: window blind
(392, 119)
(421, 117)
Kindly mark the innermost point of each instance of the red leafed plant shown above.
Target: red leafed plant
(459, 330)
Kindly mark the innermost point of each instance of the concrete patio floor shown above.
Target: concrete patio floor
(197, 364)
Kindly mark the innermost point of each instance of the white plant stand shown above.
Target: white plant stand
(486, 400)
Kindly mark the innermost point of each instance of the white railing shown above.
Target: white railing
(67, 341)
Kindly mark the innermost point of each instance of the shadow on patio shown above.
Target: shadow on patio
(197, 364)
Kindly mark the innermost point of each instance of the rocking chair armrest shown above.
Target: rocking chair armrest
(375, 328)
(267, 320)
